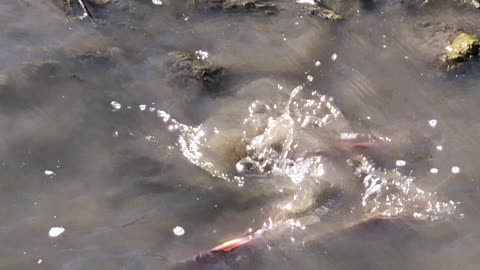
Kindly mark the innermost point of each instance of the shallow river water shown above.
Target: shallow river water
(110, 160)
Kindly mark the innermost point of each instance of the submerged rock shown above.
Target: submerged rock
(460, 49)
(243, 6)
(323, 13)
(64, 5)
(187, 66)
(73, 7)
(345, 7)
(99, 2)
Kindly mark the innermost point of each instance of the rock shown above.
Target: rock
(72, 7)
(243, 6)
(63, 5)
(323, 13)
(460, 49)
(99, 2)
(345, 7)
(90, 45)
(186, 66)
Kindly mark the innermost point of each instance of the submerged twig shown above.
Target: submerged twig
(86, 12)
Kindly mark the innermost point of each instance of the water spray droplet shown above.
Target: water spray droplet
(116, 105)
(178, 231)
(56, 231)
(400, 163)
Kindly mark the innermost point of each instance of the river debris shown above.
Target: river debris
(345, 8)
(79, 8)
(99, 2)
(76, 8)
(461, 48)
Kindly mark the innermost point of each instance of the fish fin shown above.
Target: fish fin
(232, 244)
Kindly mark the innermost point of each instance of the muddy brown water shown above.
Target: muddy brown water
(118, 195)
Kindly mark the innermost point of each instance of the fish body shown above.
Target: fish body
(376, 234)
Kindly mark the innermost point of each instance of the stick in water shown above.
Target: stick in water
(86, 12)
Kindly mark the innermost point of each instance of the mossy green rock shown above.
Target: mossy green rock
(460, 49)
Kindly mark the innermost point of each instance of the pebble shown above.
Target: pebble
(49, 173)
(433, 123)
(334, 57)
(157, 2)
(455, 169)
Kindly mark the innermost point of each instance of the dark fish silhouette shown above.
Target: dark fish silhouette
(377, 235)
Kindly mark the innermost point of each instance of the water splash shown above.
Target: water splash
(390, 193)
(285, 140)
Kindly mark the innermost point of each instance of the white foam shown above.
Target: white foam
(201, 54)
